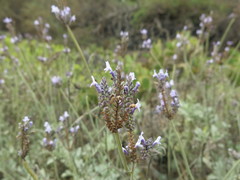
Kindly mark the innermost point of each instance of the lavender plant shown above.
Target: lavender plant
(24, 140)
(117, 103)
(169, 104)
(168, 97)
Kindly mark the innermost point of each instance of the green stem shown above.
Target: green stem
(226, 177)
(29, 170)
(182, 151)
(132, 172)
(226, 31)
(120, 152)
(78, 48)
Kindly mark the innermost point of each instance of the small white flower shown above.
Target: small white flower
(7, 20)
(2, 81)
(61, 118)
(93, 82)
(160, 96)
(124, 34)
(144, 32)
(179, 44)
(26, 119)
(147, 44)
(73, 18)
(108, 67)
(140, 141)
(175, 57)
(48, 38)
(199, 32)
(56, 80)
(155, 74)
(138, 105)
(42, 59)
(132, 76)
(66, 115)
(14, 39)
(65, 36)
(36, 23)
(157, 141)
(178, 36)
(226, 49)
(55, 9)
(47, 126)
(47, 25)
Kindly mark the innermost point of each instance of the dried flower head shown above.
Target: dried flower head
(23, 135)
(117, 101)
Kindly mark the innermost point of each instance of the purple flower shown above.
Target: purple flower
(97, 86)
(173, 93)
(136, 87)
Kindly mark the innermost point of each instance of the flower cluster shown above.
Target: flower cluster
(23, 135)
(66, 133)
(117, 103)
(64, 15)
(168, 97)
(145, 146)
(64, 116)
(205, 26)
(216, 55)
(48, 141)
(181, 40)
(121, 48)
(9, 24)
(42, 29)
(147, 42)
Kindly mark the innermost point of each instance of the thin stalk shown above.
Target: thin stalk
(132, 172)
(183, 152)
(176, 163)
(120, 152)
(84, 127)
(169, 153)
(78, 48)
(90, 115)
(148, 168)
(226, 177)
(56, 170)
(29, 170)
(226, 31)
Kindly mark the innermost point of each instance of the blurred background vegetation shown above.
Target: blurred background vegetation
(99, 21)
